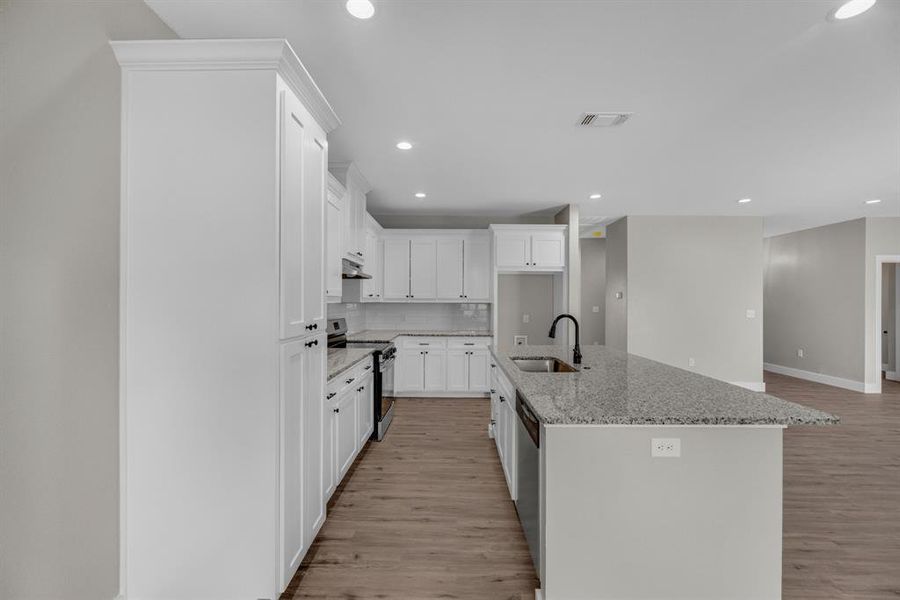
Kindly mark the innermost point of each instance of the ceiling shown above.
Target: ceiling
(766, 100)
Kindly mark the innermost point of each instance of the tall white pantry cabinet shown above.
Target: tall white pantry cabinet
(223, 358)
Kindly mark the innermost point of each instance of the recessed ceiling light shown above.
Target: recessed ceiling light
(745, 200)
(851, 9)
(873, 201)
(361, 9)
(420, 194)
(595, 196)
(403, 145)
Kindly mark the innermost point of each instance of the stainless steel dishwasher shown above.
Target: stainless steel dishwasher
(528, 502)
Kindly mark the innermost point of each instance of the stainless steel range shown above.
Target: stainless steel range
(383, 359)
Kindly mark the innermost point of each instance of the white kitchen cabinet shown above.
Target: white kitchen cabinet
(302, 201)
(530, 248)
(224, 212)
(345, 431)
(329, 436)
(505, 425)
(365, 409)
(457, 370)
(422, 267)
(334, 232)
(396, 269)
(439, 266)
(371, 288)
(354, 238)
(477, 270)
(479, 370)
(449, 269)
(435, 371)
(409, 371)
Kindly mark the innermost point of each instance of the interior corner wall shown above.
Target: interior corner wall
(593, 291)
(59, 294)
(616, 310)
(691, 282)
(569, 216)
(814, 300)
(882, 238)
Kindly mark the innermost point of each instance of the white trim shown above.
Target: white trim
(443, 395)
(848, 384)
(880, 259)
(265, 54)
(753, 386)
(892, 375)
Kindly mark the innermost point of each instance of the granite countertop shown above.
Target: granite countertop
(341, 359)
(388, 335)
(613, 387)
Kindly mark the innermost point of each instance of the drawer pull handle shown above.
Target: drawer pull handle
(502, 399)
(337, 410)
(330, 395)
(311, 344)
(349, 381)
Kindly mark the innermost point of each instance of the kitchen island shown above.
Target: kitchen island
(649, 481)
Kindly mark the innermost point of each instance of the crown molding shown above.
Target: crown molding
(204, 55)
(347, 172)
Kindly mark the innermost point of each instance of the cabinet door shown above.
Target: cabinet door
(509, 445)
(349, 236)
(479, 371)
(409, 371)
(435, 368)
(370, 291)
(449, 269)
(365, 409)
(359, 205)
(422, 264)
(294, 371)
(396, 269)
(295, 127)
(329, 435)
(312, 421)
(334, 248)
(513, 250)
(500, 436)
(548, 249)
(315, 174)
(457, 370)
(346, 431)
(477, 270)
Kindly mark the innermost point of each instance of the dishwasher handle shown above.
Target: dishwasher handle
(529, 420)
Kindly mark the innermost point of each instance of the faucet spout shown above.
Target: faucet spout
(576, 354)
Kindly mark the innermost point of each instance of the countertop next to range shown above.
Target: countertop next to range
(388, 335)
(616, 388)
(341, 359)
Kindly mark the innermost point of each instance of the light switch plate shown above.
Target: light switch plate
(619, 295)
(526, 318)
(751, 314)
(595, 309)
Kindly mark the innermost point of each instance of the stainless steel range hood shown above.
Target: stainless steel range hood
(351, 270)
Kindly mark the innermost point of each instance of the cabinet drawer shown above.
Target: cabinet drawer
(472, 343)
(423, 342)
(349, 377)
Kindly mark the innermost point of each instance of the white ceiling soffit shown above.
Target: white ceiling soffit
(767, 100)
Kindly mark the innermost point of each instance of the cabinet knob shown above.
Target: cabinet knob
(502, 399)
(493, 391)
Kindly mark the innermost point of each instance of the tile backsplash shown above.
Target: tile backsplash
(413, 316)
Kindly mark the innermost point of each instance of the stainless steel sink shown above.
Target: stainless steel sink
(543, 365)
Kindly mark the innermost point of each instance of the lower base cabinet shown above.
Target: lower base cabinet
(504, 424)
(442, 366)
(348, 424)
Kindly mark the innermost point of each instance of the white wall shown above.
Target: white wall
(691, 281)
(521, 294)
(593, 290)
(59, 283)
(814, 299)
(617, 283)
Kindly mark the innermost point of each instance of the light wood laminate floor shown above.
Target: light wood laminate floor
(425, 514)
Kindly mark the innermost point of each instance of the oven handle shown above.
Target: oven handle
(387, 364)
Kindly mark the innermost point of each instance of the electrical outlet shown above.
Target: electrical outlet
(692, 362)
(526, 318)
(800, 353)
(595, 309)
(619, 295)
(520, 340)
(751, 314)
(665, 447)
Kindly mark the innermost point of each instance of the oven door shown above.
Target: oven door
(384, 405)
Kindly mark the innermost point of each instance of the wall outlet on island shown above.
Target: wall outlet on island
(692, 362)
(800, 353)
(665, 447)
(520, 340)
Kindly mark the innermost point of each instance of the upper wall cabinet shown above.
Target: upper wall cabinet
(334, 239)
(529, 247)
(436, 266)
(354, 239)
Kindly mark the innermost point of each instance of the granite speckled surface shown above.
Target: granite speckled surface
(388, 335)
(616, 388)
(341, 359)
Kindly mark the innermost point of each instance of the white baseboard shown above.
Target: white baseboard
(753, 386)
(847, 384)
(892, 375)
(441, 395)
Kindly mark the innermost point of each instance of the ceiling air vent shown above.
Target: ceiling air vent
(602, 119)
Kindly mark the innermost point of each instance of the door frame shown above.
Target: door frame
(880, 261)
